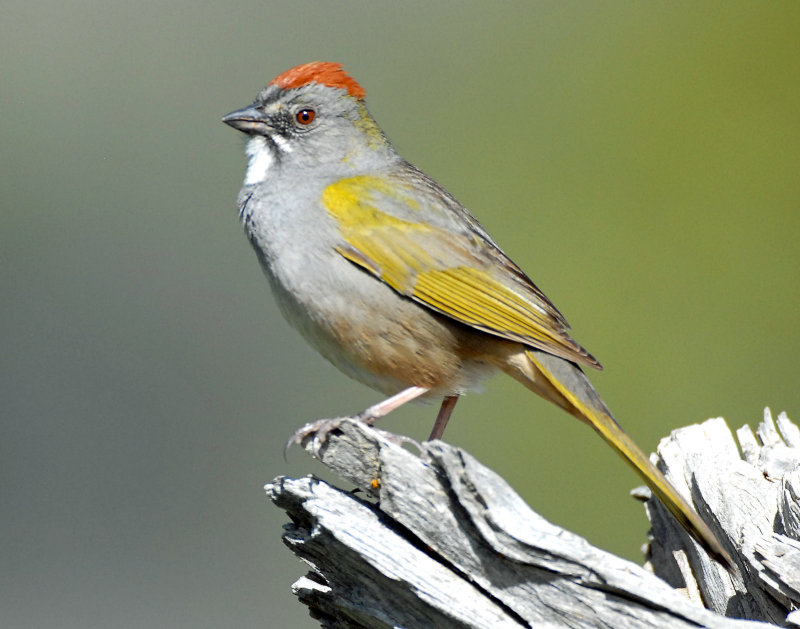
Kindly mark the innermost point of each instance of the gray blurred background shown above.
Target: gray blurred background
(639, 160)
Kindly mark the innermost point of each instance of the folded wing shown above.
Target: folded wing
(451, 269)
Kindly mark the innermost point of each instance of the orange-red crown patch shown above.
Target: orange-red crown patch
(322, 72)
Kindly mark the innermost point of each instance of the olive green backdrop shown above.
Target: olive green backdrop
(639, 160)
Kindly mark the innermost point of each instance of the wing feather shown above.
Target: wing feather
(452, 269)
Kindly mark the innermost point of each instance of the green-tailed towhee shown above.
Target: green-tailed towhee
(390, 278)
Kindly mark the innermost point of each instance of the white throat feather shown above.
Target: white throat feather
(261, 160)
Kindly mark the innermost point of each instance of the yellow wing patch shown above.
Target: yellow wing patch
(474, 297)
(444, 270)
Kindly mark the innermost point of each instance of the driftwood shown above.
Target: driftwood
(435, 539)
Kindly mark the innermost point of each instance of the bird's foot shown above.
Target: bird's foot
(320, 428)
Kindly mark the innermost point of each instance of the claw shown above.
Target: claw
(320, 428)
(399, 440)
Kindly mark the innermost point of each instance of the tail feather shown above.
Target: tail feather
(570, 382)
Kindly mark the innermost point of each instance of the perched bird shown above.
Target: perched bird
(392, 280)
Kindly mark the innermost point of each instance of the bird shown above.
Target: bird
(393, 281)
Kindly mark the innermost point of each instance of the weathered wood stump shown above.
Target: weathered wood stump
(435, 539)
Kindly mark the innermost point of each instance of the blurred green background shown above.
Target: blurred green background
(639, 160)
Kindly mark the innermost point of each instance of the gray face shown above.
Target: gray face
(307, 127)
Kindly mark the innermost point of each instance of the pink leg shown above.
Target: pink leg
(448, 404)
(322, 427)
(375, 412)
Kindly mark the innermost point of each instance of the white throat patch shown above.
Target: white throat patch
(261, 160)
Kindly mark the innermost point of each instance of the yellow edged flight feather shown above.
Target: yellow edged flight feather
(453, 273)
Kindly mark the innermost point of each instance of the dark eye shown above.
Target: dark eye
(305, 116)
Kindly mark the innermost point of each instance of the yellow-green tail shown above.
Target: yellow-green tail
(571, 383)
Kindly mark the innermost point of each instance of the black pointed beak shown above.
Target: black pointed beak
(248, 120)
